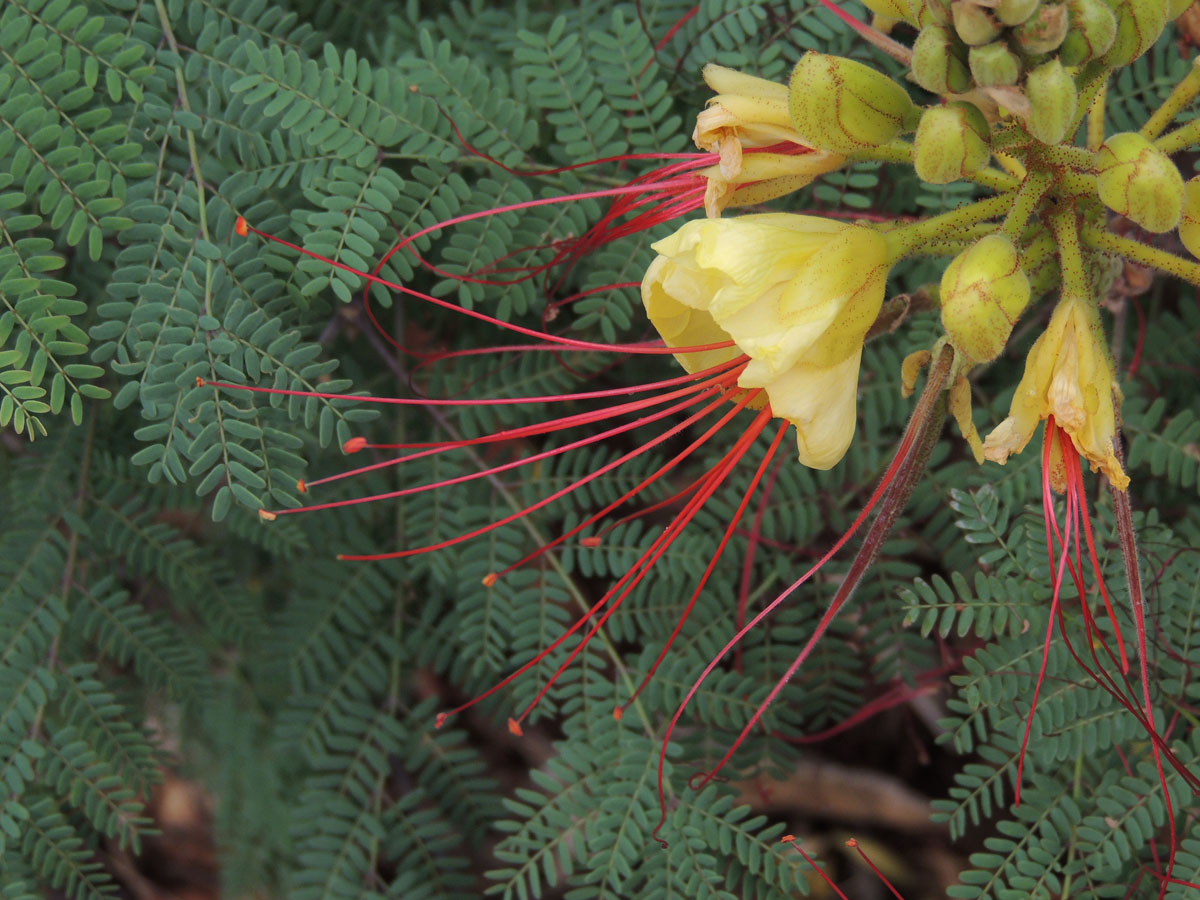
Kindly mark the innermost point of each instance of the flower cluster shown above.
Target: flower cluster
(768, 312)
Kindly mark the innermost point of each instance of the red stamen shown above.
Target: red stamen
(712, 564)
(791, 839)
(598, 605)
(854, 845)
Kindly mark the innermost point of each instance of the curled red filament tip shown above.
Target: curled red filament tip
(266, 515)
(354, 445)
(618, 712)
(240, 227)
(440, 720)
(592, 541)
(515, 727)
(489, 579)
(301, 486)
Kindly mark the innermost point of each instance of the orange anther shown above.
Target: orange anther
(266, 515)
(515, 727)
(490, 578)
(590, 541)
(852, 843)
(354, 445)
(240, 226)
(787, 839)
(301, 486)
(199, 381)
(618, 712)
(440, 720)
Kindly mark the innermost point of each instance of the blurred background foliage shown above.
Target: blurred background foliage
(157, 641)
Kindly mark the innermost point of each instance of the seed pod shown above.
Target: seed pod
(1189, 221)
(1139, 23)
(974, 24)
(1014, 12)
(994, 65)
(939, 61)
(1052, 102)
(1044, 30)
(1140, 182)
(840, 105)
(983, 293)
(1093, 28)
(952, 141)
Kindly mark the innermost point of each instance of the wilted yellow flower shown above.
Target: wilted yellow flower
(1068, 376)
(795, 293)
(748, 113)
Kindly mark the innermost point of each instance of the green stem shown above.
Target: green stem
(1032, 190)
(1180, 139)
(909, 239)
(1069, 157)
(1093, 79)
(1078, 184)
(1095, 119)
(1144, 254)
(1070, 254)
(1181, 96)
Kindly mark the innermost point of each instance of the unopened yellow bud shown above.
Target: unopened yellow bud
(953, 141)
(1140, 182)
(1052, 102)
(1189, 222)
(984, 291)
(1139, 23)
(1044, 30)
(1093, 29)
(930, 12)
(994, 65)
(974, 24)
(841, 105)
(939, 61)
(891, 9)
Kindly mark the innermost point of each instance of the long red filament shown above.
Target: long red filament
(597, 606)
(791, 839)
(853, 844)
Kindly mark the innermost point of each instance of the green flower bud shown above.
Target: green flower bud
(1189, 222)
(994, 65)
(973, 23)
(1014, 12)
(1139, 23)
(1140, 182)
(1093, 28)
(1044, 30)
(1052, 102)
(930, 12)
(840, 105)
(983, 292)
(939, 61)
(1176, 8)
(952, 141)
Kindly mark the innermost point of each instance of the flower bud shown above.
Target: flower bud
(930, 12)
(1140, 182)
(1176, 8)
(974, 24)
(1189, 221)
(1139, 23)
(1044, 30)
(984, 291)
(952, 141)
(994, 65)
(1052, 102)
(1093, 28)
(939, 61)
(1014, 12)
(841, 105)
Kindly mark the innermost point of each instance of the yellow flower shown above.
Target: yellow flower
(749, 113)
(1068, 376)
(795, 293)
